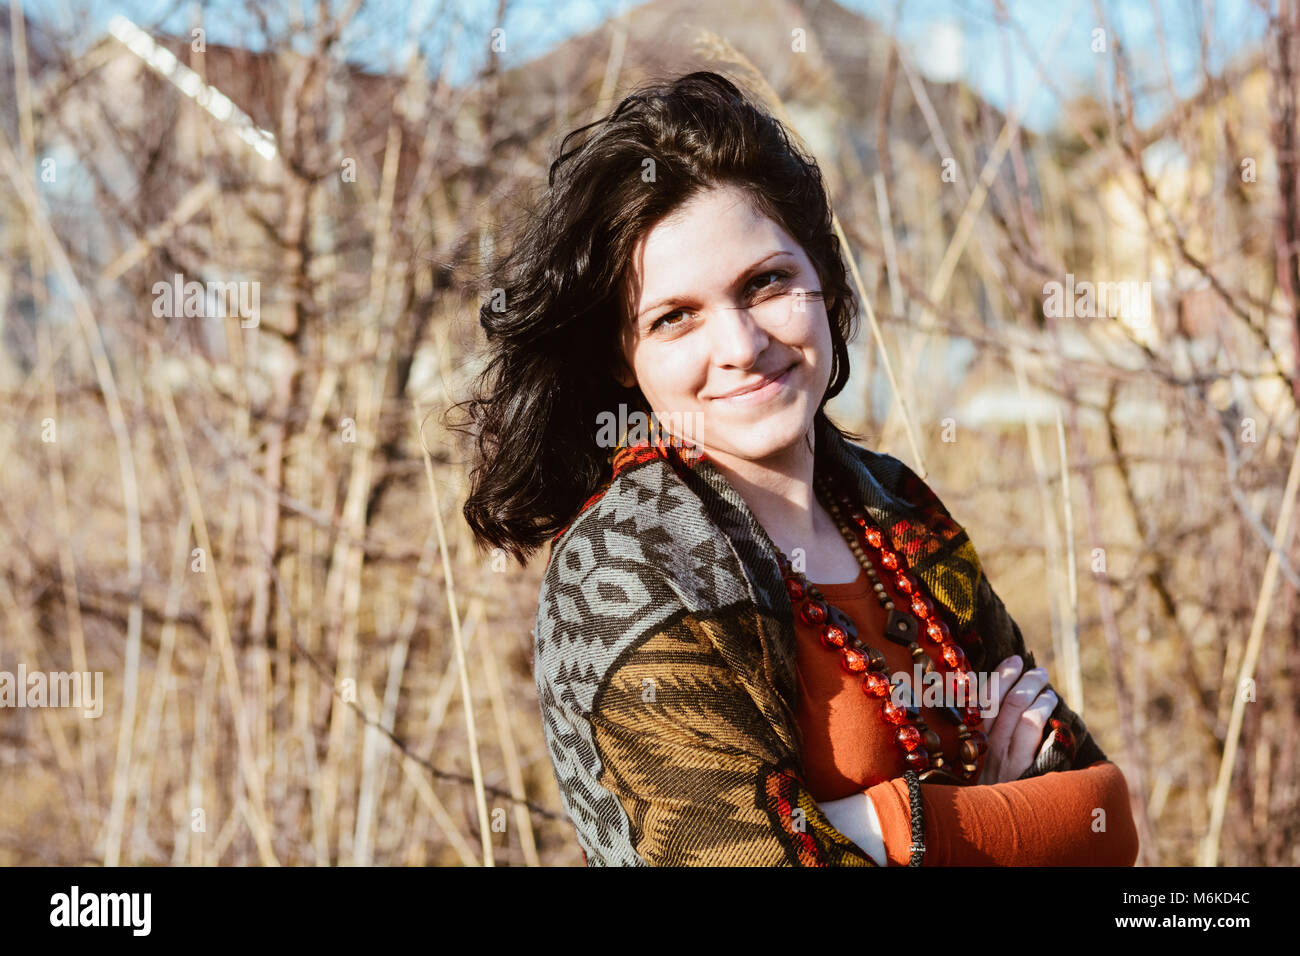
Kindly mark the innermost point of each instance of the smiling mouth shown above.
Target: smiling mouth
(761, 391)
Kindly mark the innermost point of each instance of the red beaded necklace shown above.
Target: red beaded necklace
(921, 746)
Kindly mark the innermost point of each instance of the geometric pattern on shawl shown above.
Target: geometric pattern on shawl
(665, 660)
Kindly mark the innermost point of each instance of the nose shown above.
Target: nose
(738, 340)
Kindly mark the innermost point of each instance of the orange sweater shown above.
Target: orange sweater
(1047, 820)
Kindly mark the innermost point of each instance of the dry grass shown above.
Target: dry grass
(255, 533)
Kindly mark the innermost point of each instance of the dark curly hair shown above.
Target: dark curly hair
(556, 303)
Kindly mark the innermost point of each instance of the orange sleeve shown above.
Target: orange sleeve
(1048, 820)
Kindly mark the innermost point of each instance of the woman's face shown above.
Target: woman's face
(720, 307)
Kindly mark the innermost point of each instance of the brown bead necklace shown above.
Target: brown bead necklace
(921, 746)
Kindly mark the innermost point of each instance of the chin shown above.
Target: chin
(765, 438)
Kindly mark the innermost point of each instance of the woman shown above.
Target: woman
(735, 597)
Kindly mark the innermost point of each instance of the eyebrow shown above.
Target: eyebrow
(676, 300)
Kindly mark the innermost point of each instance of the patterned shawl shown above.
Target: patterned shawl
(665, 660)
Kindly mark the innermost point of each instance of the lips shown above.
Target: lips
(756, 386)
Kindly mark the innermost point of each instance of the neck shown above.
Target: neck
(779, 491)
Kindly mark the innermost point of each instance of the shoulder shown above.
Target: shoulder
(602, 533)
(642, 552)
(636, 526)
(937, 548)
(908, 493)
(604, 587)
(901, 481)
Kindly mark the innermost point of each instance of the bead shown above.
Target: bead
(909, 737)
(876, 684)
(834, 636)
(972, 716)
(842, 621)
(936, 630)
(950, 714)
(893, 713)
(855, 662)
(900, 628)
(904, 623)
(813, 612)
(969, 769)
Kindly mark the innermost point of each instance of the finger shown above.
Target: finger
(1020, 696)
(1018, 699)
(1002, 680)
(1028, 734)
(1007, 674)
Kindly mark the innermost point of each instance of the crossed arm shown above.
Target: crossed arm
(1070, 818)
(681, 759)
(1003, 822)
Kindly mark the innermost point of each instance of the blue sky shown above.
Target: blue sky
(940, 35)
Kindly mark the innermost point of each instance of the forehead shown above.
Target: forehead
(705, 243)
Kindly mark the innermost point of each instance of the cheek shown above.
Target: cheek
(805, 328)
(819, 329)
(810, 331)
(819, 348)
(671, 373)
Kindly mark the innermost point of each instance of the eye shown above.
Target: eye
(662, 320)
(781, 276)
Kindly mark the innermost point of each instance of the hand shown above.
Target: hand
(1024, 705)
